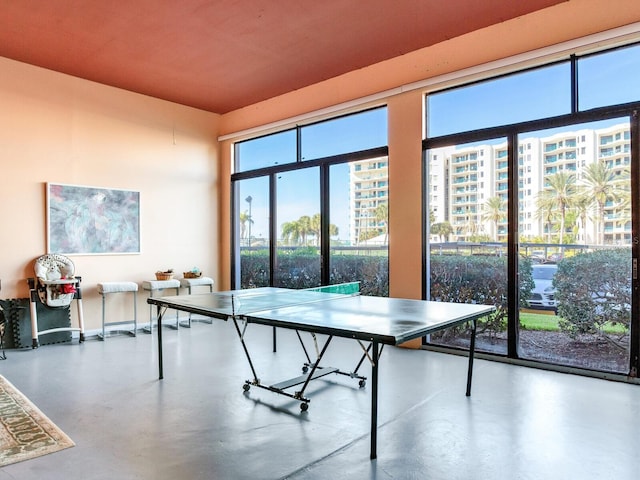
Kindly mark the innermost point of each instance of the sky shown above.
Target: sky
(502, 101)
(299, 191)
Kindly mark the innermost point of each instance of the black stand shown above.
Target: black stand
(317, 371)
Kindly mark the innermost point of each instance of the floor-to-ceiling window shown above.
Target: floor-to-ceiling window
(298, 229)
(311, 205)
(531, 202)
(253, 232)
(576, 217)
(468, 190)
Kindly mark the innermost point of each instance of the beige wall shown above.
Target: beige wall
(56, 128)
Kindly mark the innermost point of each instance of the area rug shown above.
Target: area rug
(25, 432)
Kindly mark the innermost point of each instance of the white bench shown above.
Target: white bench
(189, 284)
(158, 286)
(106, 288)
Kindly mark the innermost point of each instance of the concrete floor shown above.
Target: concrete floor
(519, 423)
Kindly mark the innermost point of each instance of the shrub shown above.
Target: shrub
(594, 289)
(478, 279)
(255, 269)
(454, 278)
(301, 269)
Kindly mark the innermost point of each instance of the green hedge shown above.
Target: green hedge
(301, 269)
(594, 293)
(454, 278)
(593, 289)
(478, 279)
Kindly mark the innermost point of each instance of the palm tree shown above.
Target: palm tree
(291, 232)
(304, 223)
(599, 181)
(315, 227)
(561, 191)
(546, 212)
(494, 211)
(472, 229)
(382, 216)
(298, 231)
(582, 204)
(442, 230)
(244, 220)
(623, 197)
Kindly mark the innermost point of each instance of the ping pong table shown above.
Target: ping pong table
(333, 311)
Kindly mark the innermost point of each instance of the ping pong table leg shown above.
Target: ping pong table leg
(159, 320)
(472, 349)
(256, 380)
(374, 400)
(274, 340)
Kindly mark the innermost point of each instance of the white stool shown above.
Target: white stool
(106, 288)
(189, 283)
(159, 285)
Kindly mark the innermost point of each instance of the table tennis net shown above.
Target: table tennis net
(248, 301)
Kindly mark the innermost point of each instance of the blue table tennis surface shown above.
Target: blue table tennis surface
(386, 320)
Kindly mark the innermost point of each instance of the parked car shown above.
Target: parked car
(537, 256)
(543, 293)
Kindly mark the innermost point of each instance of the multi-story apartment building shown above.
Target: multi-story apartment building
(530, 181)
(470, 171)
(438, 178)
(614, 149)
(368, 189)
(463, 179)
(539, 157)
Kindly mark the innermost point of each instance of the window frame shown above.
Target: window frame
(511, 132)
(323, 164)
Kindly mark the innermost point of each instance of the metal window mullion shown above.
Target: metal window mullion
(325, 212)
(574, 85)
(235, 238)
(513, 285)
(273, 230)
(634, 341)
(426, 244)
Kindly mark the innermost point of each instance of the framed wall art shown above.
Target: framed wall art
(92, 221)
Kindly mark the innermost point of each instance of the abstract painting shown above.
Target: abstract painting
(92, 220)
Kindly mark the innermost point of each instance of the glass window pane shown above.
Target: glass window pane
(267, 151)
(575, 225)
(359, 196)
(530, 95)
(609, 78)
(467, 204)
(298, 220)
(253, 219)
(346, 134)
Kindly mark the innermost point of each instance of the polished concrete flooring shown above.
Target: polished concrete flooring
(519, 423)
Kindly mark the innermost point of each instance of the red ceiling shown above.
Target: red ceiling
(222, 55)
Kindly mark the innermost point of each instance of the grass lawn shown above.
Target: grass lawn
(548, 322)
(539, 321)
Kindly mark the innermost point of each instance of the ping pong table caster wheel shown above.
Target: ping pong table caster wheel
(305, 369)
(304, 407)
(246, 387)
(362, 383)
